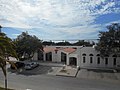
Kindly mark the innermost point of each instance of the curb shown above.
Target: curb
(66, 76)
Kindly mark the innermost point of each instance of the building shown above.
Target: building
(77, 56)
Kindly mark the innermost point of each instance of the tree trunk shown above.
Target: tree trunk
(5, 78)
(5, 83)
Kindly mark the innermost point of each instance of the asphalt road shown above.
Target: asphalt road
(50, 82)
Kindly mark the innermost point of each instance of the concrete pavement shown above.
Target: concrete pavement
(49, 82)
(48, 68)
(98, 75)
(68, 71)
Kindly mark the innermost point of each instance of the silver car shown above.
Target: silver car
(28, 66)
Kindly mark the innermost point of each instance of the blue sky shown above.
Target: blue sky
(58, 19)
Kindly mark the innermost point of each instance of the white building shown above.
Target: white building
(78, 56)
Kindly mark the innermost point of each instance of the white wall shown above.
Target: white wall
(90, 50)
(56, 57)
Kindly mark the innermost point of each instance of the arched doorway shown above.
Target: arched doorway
(49, 56)
(63, 57)
(73, 61)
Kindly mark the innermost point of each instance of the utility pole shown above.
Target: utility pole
(0, 28)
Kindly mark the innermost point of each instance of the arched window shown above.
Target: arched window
(83, 54)
(98, 55)
(114, 55)
(106, 55)
(91, 55)
(98, 58)
(114, 59)
(84, 58)
(106, 61)
(91, 58)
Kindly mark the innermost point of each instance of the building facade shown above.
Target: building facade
(78, 56)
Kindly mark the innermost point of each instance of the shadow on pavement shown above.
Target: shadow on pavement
(101, 70)
(36, 71)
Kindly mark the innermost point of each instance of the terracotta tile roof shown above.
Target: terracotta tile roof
(49, 49)
(69, 50)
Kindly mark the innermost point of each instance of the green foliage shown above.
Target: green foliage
(109, 42)
(66, 43)
(27, 45)
(6, 50)
(83, 43)
(48, 43)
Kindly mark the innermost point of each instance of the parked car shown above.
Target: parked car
(28, 66)
(31, 65)
(34, 64)
(18, 65)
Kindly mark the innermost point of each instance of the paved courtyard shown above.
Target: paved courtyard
(57, 69)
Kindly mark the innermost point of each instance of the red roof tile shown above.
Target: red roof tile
(49, 49)
(69, 50)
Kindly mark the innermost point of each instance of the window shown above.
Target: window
(91, 55)
(114, 61)
(83, 54)
(98, 60)
(106, 61)
(106, 55)
(114, 55)
(98, 55)
(91, 59)
(83, 59)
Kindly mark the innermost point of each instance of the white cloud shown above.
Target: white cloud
(68, 16)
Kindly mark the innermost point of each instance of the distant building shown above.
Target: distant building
(78, 56)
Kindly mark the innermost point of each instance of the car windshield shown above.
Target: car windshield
(27, 64)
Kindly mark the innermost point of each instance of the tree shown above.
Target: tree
(109, 42)
(64, 43)
(48, 43)
(83, 43)
(27, 45)
(6, 50)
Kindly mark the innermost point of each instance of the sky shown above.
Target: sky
(58, 19)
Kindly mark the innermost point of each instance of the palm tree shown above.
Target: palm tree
(6, 50)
